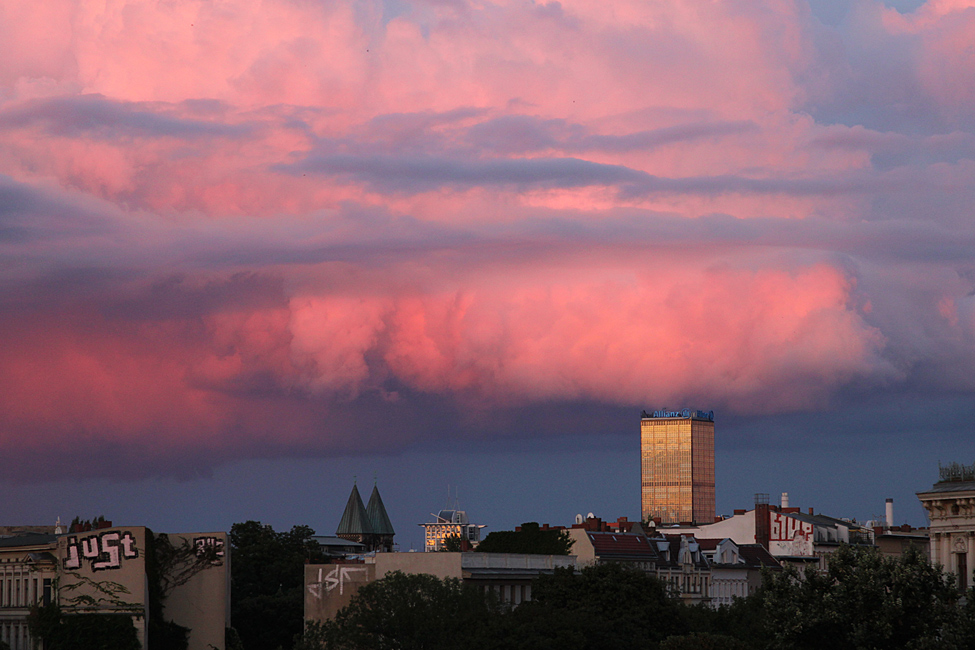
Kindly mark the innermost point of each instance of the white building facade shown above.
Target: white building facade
(950, 504)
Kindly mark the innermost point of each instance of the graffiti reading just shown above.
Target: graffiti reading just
(102, 551)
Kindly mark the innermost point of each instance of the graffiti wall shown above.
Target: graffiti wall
(104, 571)
(330, 587)
(202, 602)
(789, 535)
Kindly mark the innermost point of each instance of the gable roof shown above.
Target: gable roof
(672, 544)
(710, 543)
(756, 555)
(381, 525)
(355, 520)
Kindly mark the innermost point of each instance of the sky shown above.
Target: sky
(254, 251)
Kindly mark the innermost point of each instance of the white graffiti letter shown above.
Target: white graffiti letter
(73, 561)
(109, 544)
(89, 548)
(332, 579)
(346, 575)
(315, 588)
(128, 546)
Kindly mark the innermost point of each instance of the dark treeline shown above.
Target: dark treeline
(865, 601)
(267, 580)
(530, 539)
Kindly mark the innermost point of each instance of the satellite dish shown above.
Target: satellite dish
(578, 519)
(590, 516)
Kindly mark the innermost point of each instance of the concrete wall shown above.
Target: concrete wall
(515, 562)
(740, 529)
(105, 571)
(789, 535)
(441, 565)
(582, 548)
(330, 587)
(203, 603)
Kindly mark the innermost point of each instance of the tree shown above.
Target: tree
(601, 606)
(530, 539)
(864, 601)
(743, 619)
(82, 631)
(267, 574)
(454, 544)
(408, 612)
(703, 641)
(86, 524)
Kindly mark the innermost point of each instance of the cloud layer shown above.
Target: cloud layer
(285, 227)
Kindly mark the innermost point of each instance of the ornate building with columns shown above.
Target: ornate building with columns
(950, 504)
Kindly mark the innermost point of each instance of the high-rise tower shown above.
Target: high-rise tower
(677, 466)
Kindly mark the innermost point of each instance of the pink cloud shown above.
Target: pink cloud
(272, 224)
(618, 335)
(625, 337)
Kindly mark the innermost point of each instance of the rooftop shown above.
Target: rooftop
(950, 486)
(27, 539)
(622, 545)
(681, 413)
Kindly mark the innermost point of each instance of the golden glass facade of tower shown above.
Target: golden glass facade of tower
(677, 466)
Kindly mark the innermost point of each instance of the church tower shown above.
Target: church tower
(367, 525)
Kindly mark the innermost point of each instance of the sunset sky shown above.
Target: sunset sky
(253, 250)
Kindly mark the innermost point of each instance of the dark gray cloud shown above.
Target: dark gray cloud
(29, 213)
(524, 133)
(414, 174)
(425, 173)
(890, 150)
(99, 116)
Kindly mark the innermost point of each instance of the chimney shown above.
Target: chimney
(785, 500)
(762, 519)
(890, 513)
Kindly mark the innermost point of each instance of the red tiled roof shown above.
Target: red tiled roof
(709, 544)
(756, 555)
(628, 544)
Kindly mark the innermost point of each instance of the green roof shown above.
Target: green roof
(355, 520)
(381, 525)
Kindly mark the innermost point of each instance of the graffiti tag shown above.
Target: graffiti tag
(337, 577)
(102, 551)
(212, 546)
